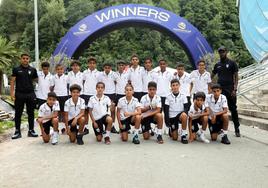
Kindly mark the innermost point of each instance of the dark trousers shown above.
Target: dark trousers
(20, 100)
(232, 107)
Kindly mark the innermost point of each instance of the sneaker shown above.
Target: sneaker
(107, 140)
(225, 140)
(86, 131)
(203, 138)
(136, 139)
(80, 139)
(55, 138)
(16, 135)
(184, 139)
(32, 133)
(159, 139)
(113, 130)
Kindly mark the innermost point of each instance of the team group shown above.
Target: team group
(138, 96)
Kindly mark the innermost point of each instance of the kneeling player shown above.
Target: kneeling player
(151, 113)
(198, 115)
(218, 119)
(175, 107)
(129, 113)
(48, 117)
(74, 110)
(98, 110)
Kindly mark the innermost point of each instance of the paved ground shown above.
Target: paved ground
(28, 162)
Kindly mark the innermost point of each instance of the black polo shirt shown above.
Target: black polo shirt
(226, 71)
(24, 78)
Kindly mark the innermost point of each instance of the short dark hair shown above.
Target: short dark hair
(201, 61)
(134, 55)
(121, 62)
(24, 54)
(152, 84)
(58, 65)
(91, 59)
(129, 85)
(180, 65)
(162, 60)
(201, 95)
(216, 86)
(100, 83)
(45, 64)
(75, 87)
(107, 64)
(175, 80)
(51, 94)
(75, 62)
(148, 58)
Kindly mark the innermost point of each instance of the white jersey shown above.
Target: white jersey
(176, 104)
(196, 112)
(216, 106)
(74, 109)
(185, 83)
(109, 81)
(152, 102)
(200, 81)
(135, 76)
(121, 82)
(163, 83)
(60, 85)
(45, 110)
(75, 79)
(147, 76)
(99, 106)
(43, 85)
(90, 80)
(126, 106)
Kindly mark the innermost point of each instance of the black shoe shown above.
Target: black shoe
(225, 140)
(86, 131)
(237, 132)
(169, 132)
(113, 130)
(16, 135)
(136, 139)
(184, 139)
(79, 139)
(160, 139)
(32, 133)
(152, 133)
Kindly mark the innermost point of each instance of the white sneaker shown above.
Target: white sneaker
(203, 138)
(55, 138)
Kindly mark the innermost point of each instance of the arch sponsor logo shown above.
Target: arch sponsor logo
(182, 27)
(132, 11)
(82, 29)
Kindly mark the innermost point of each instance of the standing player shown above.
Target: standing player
(175, 107)
(75, 76)
(121, 81)
(135, 75)
(200, 78)
(148, 74)
(44, 78)
(151, 113)
(109, 78)
(98, 110)
(198, 115)
(218, 118)
(74, 110)
(129, 113)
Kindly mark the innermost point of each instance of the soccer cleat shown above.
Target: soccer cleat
(80, 139)
(16, 135)
(225, 140)
(159, 139)
(113, 130)
(203, 138)
(32, 133)
(135, 139)
(107, 140)
(86, 131)
(55, 138)
(184, 139)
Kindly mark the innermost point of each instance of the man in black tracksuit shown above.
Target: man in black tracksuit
(23, 77)
(227, 71)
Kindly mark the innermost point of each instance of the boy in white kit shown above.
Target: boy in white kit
(218, 119)
(121, 81)
(75, 76)
(99, 105)
(48, 117)
(44, 78)
(148, 74)
(200, 78)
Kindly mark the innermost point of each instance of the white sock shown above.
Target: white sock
(158, 131)
(183, 132)
(199, 132)
(136, 131)
(86, 126)
(107, 134)
(225, 132)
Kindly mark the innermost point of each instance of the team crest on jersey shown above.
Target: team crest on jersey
(227, 65)
(29, 72)
(173, 126)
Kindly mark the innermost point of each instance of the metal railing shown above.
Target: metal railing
(252, 70)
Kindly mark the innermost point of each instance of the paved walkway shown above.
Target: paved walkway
(28, 162)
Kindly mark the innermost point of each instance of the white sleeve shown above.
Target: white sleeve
(90, 103)
(56, 106)
(224, 102)
(159, 103)
(66, 106)
(52, 81)
(166, 101)
(109, 101)
(40, 111)
(209, 78)
(142, 102)
(83, 106)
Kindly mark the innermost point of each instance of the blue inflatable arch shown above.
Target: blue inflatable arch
(134, 15)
